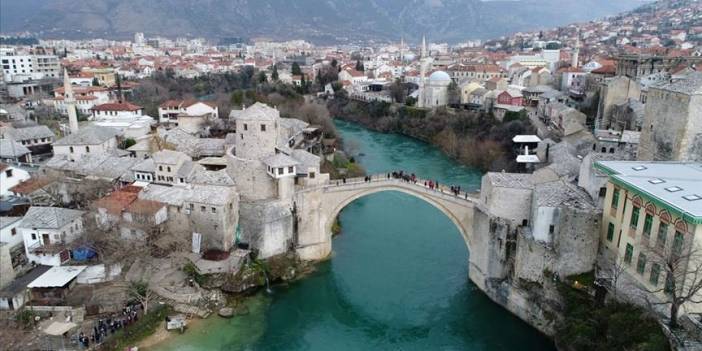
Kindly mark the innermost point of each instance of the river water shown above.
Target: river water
(398, 278)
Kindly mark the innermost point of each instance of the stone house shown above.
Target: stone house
(133, 217)
(37, 139)
(211, 211)
(672, 127)
(88, 140)
(12, 255)
(11, 176)
(171, 110)
(13, 152)
(46, 231)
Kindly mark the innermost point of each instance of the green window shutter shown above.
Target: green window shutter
(662, 235)
(628, 254)
(610, 232)
(615, 198)
(648, 223)
(635, 217)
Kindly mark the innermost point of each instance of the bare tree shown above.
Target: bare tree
(680, 265)
(141, 291)
(611, 272)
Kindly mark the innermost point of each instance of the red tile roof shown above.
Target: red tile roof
(31, 185)
(116, 202)
(117, 106)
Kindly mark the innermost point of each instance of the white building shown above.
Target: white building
(434, 91)
(11, 176)
(87, 140)
(19, 67)
(169, 111)
(47, 230)
(12, 254)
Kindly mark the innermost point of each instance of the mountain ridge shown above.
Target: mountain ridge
(314, 20)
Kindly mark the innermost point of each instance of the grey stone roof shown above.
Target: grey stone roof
(259, 112)
(510, 180)
(5, 221)
(177, 196)
(33, 132)
(11, 149)
(306, 158)
(559, 193)
(91, 135)
(105, 166)
(280, 160)
(193, 146)
(146, 165)
(19, 285)
(205, 177)
(188, 168)
(49, 217)
(691, 85)
(170, 157)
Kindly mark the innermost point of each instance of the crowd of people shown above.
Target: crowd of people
(412, 178)
(111, 324)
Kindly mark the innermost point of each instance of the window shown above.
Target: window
(246, 127)
(8, 173)
(610, 232)
(615, 198)
(70, 149)
(662, 235)
(160, 168)
(641, 263)
(263, 127)
(678, 243)
(655, 272)
(214, 210)
(311, 174)
(603, 191)
(648, 223)
(290, 169)
(192, 206)
(202, 208)
(182, 180)
(551, 229)
(635, 217)
(628, 254)
(34, 236)
(87, 149)
(168, 169)
(13, 231)
(280, 170)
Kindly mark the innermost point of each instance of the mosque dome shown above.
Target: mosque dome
(440, 77)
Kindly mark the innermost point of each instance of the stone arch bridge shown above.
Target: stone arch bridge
(317, 208)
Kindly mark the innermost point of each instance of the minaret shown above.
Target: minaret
(424, 47)
(70, 102)
(575, 58)
(402, 47)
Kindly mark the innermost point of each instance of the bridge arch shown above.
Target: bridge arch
(457, 208)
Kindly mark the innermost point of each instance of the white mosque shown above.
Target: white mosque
(432, 92)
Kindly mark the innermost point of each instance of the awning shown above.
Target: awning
(59, 328)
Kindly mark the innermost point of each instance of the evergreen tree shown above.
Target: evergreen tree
(296, 71)
(303, 84)
(334, 63)
(359, 66)
(274, 75)
(262, 78)
(95, 82)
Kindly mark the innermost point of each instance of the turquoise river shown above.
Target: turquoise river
(397, 280)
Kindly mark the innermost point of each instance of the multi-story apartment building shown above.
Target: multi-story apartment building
(653, 210)
(17, 66)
